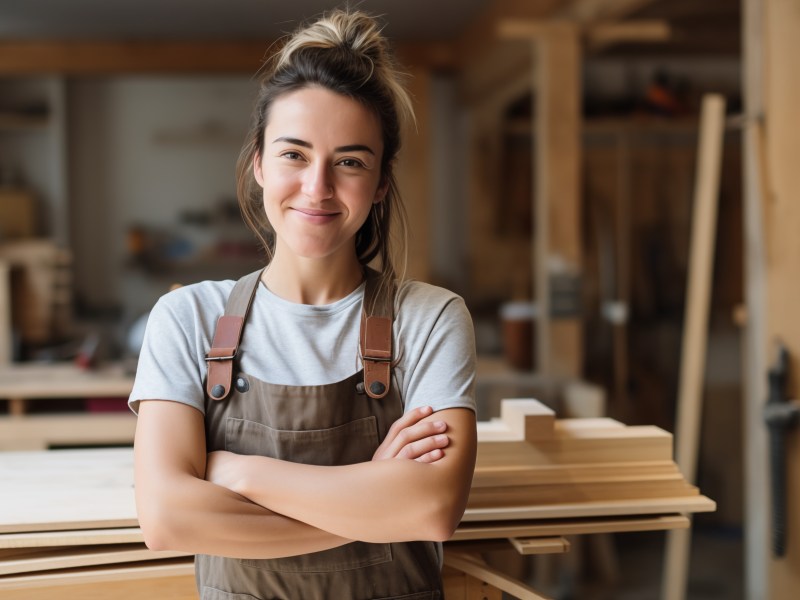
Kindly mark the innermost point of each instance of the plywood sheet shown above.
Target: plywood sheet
(28, 560)
(66, 489)
(80, 537)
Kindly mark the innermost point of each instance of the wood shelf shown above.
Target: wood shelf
(14, 121)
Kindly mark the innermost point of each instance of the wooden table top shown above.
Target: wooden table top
(63, 380)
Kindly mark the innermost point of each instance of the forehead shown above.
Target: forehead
(320, 113)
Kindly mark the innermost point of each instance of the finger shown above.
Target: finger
(416, 433)
(408, 419)
(423, 446)
(431, 457)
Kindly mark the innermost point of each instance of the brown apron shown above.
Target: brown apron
(334, 424)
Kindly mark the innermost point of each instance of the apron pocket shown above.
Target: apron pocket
(346, 444)
(209, 593)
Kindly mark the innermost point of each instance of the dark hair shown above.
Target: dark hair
(346, 53)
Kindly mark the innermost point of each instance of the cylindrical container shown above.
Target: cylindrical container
(518, 329)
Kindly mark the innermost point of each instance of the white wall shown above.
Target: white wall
(123, 172)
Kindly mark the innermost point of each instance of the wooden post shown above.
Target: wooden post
(556, 195)
(6, 337)
(695, 326)
(781, 210)
(754, 355)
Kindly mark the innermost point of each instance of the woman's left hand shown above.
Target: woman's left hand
(412, 437)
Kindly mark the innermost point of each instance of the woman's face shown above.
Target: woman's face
(320, 171)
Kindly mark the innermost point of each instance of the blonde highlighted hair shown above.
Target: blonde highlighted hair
(346, 53)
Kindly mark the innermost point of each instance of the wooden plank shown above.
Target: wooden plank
(569, 493)
(695, 328)
(578, 526)
(39, 492)
(85, 537)
(160, 570)
(597, 472)
(540, 545)
(178, 587)
(612, 508)
(32, 560)
(478, 569)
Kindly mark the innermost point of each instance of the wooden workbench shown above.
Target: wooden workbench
(24, 383)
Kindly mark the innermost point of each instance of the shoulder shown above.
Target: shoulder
(430, 302)
(198, 301)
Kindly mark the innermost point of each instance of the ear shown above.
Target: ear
(383, 189)
(257, 169)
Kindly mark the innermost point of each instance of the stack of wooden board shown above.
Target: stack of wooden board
(532, 466)
(68, 529)
(68, 525)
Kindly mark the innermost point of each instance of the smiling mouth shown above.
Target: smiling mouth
(316, 213)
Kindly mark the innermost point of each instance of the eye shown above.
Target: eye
(351, 162)
(291, 155)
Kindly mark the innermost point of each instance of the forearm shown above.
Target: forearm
(192, 515)
(383, 501)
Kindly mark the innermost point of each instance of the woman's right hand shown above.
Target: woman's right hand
(413, 438)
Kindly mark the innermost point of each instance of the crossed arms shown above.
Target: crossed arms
(415, 488)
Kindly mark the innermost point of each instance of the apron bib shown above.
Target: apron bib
(333, 424)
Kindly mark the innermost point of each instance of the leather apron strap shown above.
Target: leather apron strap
(228, 335)
(375, 339)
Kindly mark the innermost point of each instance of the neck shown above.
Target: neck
(312, 281)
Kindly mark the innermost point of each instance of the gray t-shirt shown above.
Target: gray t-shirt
(299, 344)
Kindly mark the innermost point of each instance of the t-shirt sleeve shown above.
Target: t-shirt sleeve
(440, 366)
(170, 361)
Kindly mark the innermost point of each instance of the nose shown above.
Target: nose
(318, 181)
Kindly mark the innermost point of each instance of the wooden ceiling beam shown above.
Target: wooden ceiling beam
(39, 57)
(592, 11)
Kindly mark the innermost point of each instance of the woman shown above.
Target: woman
(318, 440)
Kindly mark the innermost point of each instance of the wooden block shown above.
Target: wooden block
(540, 545)
(520, 419)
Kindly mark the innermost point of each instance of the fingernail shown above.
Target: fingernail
(440, 424)
(441, 438)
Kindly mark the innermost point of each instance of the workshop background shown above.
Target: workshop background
(556, 179)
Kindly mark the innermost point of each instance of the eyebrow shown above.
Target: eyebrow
(304, 144)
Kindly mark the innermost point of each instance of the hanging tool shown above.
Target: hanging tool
(780, 415)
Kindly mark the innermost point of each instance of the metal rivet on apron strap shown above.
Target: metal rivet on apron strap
(377, 388)
(360, 388)
(242, 385)
(218, 391)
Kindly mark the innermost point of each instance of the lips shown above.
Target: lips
(312, 212)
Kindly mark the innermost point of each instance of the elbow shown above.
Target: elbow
(158, 528)
(444, 520)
